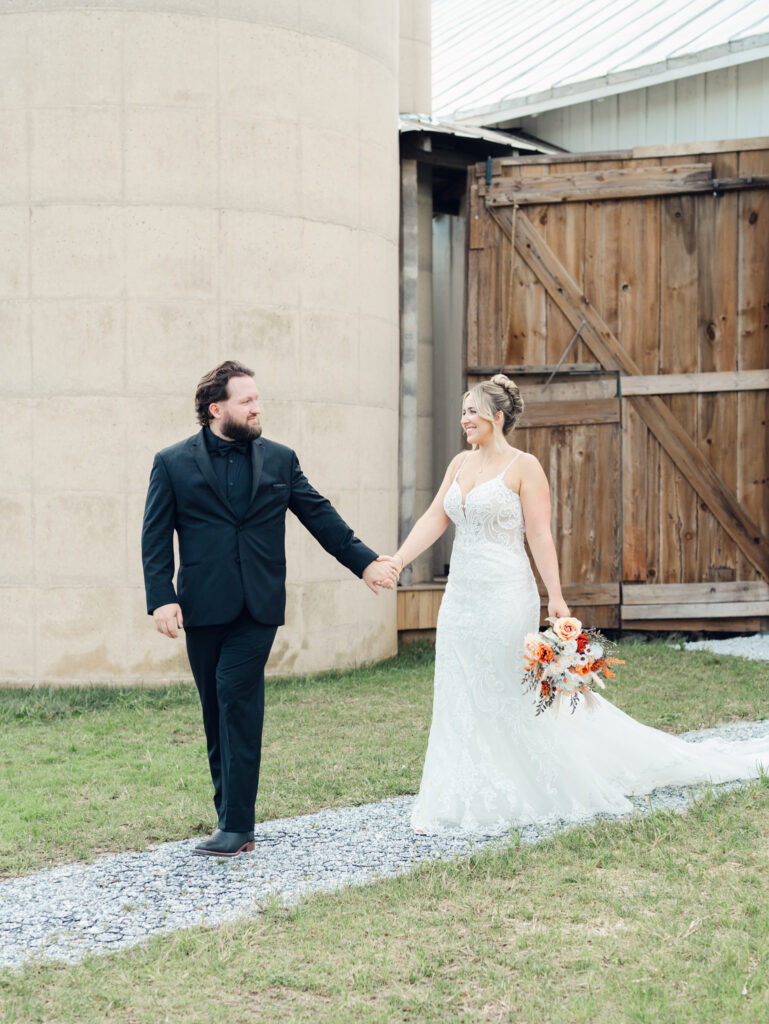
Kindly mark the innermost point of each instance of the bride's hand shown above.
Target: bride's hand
(558, 609)
(394, 564)
(395, 561)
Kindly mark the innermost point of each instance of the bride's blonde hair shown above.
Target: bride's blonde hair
(500, 394)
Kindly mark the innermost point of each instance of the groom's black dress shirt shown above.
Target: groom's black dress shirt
(232, 465)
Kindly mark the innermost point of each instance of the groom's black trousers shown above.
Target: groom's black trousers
(227, 663)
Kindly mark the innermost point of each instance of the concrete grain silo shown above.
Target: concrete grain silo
(184, 181)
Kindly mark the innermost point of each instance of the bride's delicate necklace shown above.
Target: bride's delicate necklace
(482, 469)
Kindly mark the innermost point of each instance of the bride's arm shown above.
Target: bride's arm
(535, 502)
(429, 527)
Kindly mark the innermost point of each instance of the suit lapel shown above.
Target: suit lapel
(203, 459)
(257, 461)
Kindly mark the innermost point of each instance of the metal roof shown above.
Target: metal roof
(494, 60)
(424, 123)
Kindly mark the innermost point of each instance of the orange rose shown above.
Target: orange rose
(583, 641)
(544, 653)
(567, 629)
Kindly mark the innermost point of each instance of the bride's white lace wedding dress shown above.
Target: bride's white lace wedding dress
(491, 763)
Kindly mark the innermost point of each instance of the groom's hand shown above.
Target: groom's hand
(168, 619)
(381, 573)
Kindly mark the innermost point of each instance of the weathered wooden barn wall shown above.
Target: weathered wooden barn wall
(647, 273)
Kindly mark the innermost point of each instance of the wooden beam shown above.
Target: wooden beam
(542, 371)
(695, 383)
(559, 414)
(418, 604)
(671, 149)
(587, 593)
(670, 433)
(571, 389)
(601, 155)
(735, 624)
(694, 593)
(615, 183)
(695, 148)
(574, 194)
(637, 612)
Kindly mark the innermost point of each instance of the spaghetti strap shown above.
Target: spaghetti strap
(509, 464)
(464, 460)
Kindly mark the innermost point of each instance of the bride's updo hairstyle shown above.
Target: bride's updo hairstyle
(500, 394)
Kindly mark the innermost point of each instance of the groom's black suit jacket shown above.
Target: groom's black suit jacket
(226, 562)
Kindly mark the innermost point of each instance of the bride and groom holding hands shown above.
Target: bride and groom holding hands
(490, 764)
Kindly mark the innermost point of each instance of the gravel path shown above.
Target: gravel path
(67, 912)
(755, 647)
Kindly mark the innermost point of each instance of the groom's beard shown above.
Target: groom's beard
(241, 431)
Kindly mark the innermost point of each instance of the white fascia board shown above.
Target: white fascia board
(410, 123)
(610, 85)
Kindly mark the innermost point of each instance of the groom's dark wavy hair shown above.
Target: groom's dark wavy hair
(212, 387)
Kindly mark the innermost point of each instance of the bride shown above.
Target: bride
(491, 763)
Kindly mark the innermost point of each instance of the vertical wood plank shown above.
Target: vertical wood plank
(527, 334)
(635, 496)
(602, 245)
(638, 326)
(653, 508)
(717, 350)
(489, 299)
(603, 500)
(753, 344)
(565, 234)
(639, 281)
(514, 319)
(581, 463)
(678, 354)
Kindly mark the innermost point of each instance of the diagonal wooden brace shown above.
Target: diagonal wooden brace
(606, 348)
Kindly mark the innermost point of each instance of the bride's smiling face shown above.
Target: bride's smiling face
(477, 429)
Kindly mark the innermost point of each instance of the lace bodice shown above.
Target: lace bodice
(491, 512)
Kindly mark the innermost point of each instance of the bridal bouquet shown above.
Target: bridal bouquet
(562, 662)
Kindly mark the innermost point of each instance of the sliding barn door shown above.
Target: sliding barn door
(644, 284)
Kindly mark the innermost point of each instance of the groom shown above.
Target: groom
(225, 492)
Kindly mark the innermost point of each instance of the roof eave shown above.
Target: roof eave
(425, 123)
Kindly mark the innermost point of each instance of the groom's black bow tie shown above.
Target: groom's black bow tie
(225, 448)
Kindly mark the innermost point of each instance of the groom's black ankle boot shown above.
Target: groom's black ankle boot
(224, 844)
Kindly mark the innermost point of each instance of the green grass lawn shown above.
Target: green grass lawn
(658, 919)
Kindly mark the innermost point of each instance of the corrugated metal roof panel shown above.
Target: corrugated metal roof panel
(486, 51)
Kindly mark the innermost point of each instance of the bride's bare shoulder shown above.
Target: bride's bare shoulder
(457, 461)
(451, 470)
(528, 465)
